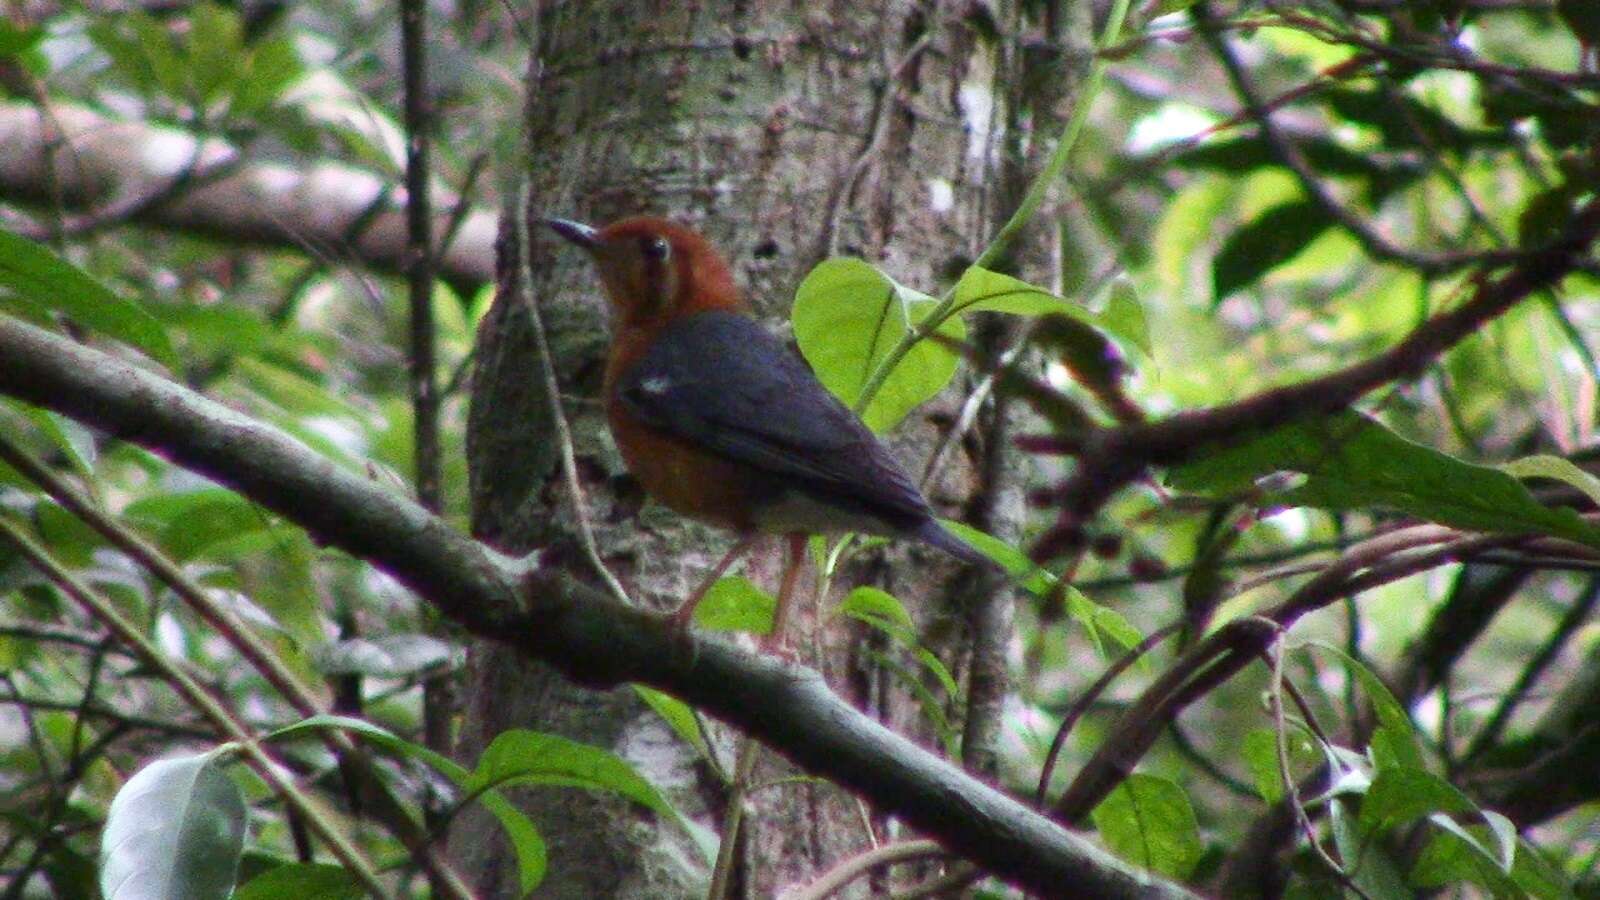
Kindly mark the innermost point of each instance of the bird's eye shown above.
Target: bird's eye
(657, 248)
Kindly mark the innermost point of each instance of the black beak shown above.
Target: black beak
(576, 232)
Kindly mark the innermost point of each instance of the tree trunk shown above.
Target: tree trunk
(786, 133)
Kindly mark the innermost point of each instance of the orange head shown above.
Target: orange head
(654, 270)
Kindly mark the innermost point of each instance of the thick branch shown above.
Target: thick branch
(327, 209)
(584, 633)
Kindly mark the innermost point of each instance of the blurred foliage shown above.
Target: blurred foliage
(1193, 272)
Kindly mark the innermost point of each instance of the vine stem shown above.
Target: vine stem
(1024, 213)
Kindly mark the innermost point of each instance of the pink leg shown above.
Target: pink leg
(791, 574)
(685, 612)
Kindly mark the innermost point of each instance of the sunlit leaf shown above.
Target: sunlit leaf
(519, 756)
(678, 716)
(1024, 571)
(848, 316)
(176, 829)
(736, 604)
(874, 605)
(1148, 821)
(1555, 468)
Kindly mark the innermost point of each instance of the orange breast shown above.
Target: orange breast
(686, 478)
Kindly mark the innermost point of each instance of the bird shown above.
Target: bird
(722, 422)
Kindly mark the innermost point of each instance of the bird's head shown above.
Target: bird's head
(654, 269)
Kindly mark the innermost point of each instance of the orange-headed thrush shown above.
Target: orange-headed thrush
(722, 422)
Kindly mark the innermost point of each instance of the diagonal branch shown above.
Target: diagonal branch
(582, 632)
(1110, 458)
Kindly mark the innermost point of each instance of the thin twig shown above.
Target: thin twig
(848, 870)
(1290, 156)
(1291, 788)
(1089, 697)
(197, 697)
(552, 388)
(255, 651)
(744, 766)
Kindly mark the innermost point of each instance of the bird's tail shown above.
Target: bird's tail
(935, 535)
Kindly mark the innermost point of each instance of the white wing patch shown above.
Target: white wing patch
(656, 384)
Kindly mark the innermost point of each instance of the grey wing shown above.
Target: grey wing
(722, 382)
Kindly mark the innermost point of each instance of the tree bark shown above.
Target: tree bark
(786, 133)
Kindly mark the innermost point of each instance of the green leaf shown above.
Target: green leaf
(1402, 742)
(1260, 752)
(1124, 314)
(984, 290)
(736, 604)
(383, 737)
(1353, 462)
(883, 611)
(678, 716)
(524, 836)
(302, 881)
(1555, 468)
(216, 50)
(289, 389)
(73, 439)
(848, 317)
(1100, 622)
(1258, 246)
(40, 278)
(1457, 854)
(17, 39)
(1023, 571)
(185, 525)
(176, 829)
(1539, 877)
(274, 66)
(519, 756)
(141, 50)
(932, 705)
(874, 606)
(1148, 821)
(1401, 795)
(1367, 863)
